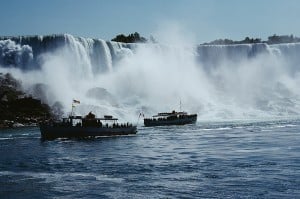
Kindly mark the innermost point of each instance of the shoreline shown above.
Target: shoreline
(14, 125)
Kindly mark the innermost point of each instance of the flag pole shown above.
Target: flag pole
(73, 105)
(72, 110)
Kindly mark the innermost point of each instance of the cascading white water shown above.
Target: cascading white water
(218, 82)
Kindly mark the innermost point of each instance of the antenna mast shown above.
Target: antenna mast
(180, 105)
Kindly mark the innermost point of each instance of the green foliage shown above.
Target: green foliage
(247, 40)
(16, 106)
(131, 38)
(275, 39)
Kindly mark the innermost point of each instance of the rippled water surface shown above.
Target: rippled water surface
(207, 160)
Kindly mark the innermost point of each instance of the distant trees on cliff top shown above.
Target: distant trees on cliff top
(275, 39)
(131, 38)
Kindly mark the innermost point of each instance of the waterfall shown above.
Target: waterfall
(92, 55)
(216, 81)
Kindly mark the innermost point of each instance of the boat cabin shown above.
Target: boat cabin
(90, 120)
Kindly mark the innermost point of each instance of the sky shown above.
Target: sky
(198, 20)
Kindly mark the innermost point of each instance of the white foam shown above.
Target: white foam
(61, 176)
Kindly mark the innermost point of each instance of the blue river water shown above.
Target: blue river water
(206, 160)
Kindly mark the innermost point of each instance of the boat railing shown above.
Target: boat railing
(171, 117)
(166, 114)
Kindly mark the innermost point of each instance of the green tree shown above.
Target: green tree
(131, 38)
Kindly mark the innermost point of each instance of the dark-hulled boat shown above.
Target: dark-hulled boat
(172, 118)
(88, 126)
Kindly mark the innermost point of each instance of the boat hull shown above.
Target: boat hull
(191, 119)
(49, 132)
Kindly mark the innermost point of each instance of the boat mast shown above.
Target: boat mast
(180, 105)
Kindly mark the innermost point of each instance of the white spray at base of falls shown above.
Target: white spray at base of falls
(217, 82)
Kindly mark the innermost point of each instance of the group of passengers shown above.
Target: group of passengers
(117, 125)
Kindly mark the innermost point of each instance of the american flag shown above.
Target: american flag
(76, 101)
